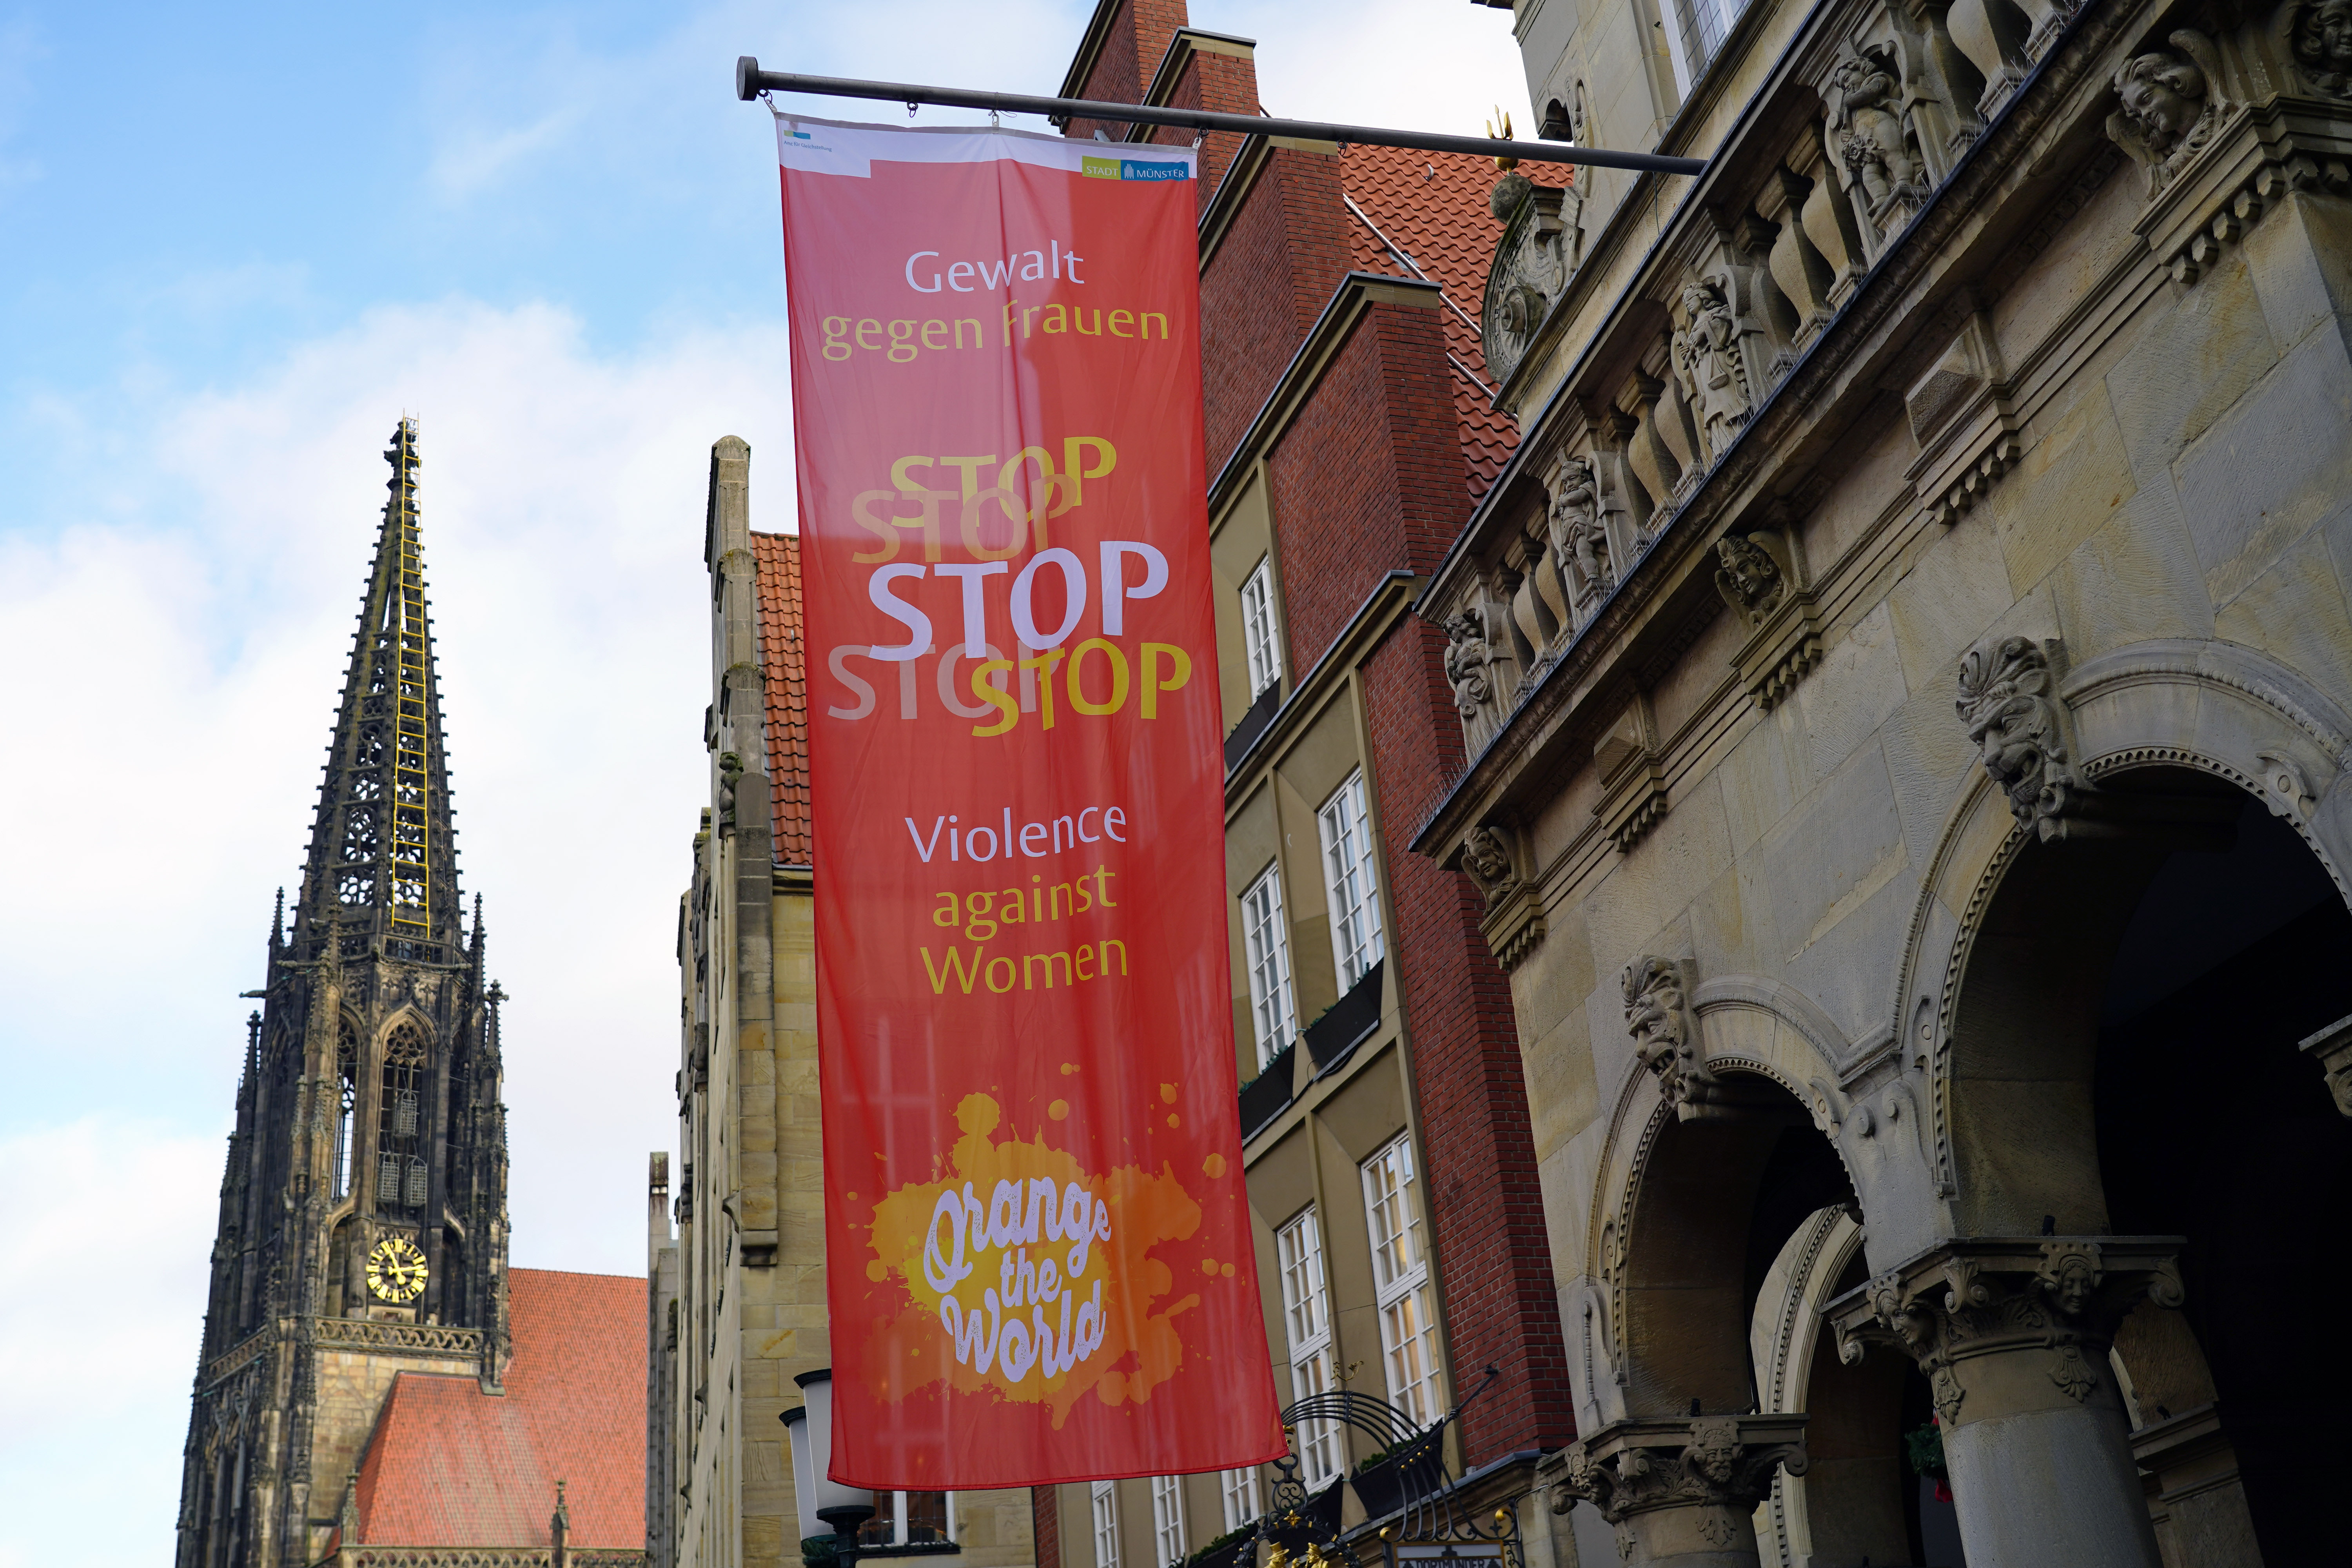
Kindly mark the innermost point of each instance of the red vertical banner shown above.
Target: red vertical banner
(1038, 1251)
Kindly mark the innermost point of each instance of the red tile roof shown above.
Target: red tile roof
(1432, 206)
(448, 1465)
(778, 557)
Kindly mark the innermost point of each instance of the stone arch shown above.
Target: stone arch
(2216, 707)
(1660, 1318)
(1856, 1505)
(2063, 1095)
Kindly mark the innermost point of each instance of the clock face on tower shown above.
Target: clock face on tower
(395, 1271)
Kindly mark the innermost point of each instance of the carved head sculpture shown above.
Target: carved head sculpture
(2070, 1276)
(1749, 574)
(1864, 82)
(1909, 1322)
(2004, 702)
(2323, 45)
(1486, 856)
(1714, 1451)
(2162, 96)
(1653, 1011)
(1700, 300)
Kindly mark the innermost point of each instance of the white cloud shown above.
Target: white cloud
(106, 1224)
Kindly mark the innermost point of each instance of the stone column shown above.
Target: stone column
(2013, 1335)
(1681, 1490)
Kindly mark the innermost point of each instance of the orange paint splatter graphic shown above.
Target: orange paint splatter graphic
(1029, 1276)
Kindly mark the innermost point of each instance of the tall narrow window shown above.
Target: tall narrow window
(347, 1074)
(1307, 1323)
(1356, 941)
(1400, 1286)
(1258, 629)
(401, 1179)
(1273, 1013)
(1105, 1521)
(1168, 1519)
(1239, 1491)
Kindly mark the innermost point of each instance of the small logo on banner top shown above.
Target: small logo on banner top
(1095, 168)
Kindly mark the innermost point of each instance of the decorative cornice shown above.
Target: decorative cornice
(398, 1338)
(1884, 289)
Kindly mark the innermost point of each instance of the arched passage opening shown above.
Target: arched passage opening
(2211, 1124)
(2124, 1062)
(1745, 1222)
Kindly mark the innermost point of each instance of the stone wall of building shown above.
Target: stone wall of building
(1920, 638)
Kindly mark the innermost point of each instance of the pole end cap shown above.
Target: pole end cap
(747, 72)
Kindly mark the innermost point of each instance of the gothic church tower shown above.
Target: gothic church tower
(362, 1216)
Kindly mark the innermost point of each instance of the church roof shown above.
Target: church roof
(448, 1465)
(778, 556)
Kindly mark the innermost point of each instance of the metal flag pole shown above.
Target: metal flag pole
(751, 81)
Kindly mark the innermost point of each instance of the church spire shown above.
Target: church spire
(382, 848)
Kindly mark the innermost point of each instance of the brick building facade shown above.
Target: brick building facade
(1390, 1164)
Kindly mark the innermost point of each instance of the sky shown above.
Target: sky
(236, 244)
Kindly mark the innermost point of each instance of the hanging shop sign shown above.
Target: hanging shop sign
(1039, 1262)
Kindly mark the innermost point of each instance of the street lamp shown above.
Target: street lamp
(826, 1507)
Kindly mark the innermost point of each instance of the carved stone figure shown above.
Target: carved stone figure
(2006, 702)
(1487, 857)
(1466, 658)
(730, 769)
(1866, 127)
(1717, 1462)
(2323, 47)
(1659, 1021)
(1578, 536)
(2169, 106)
(1750, 577)
(1707, 362)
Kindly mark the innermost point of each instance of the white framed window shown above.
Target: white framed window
(1168, 1519)
(1357, 939)
(1259, 632)
(1404, 1297)
(1307, 1323)
(1238, 1489)
(1266, 948)
(1105, 1521)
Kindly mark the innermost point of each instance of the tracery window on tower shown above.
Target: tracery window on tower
(402, 1179)
(347, 1074)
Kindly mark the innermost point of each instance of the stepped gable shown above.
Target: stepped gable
(448, 1465)
(1433, 207)
(781, 652)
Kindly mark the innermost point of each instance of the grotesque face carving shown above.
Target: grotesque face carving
(1714, 1451)
(2162, 96)
(2323, 45)
(1486, 857)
